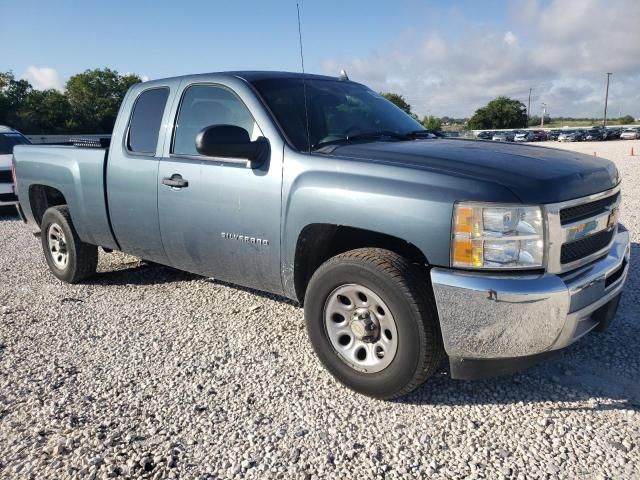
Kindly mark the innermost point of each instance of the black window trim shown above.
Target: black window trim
(232, 161)
(125, 139)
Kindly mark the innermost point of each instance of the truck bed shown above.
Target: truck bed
(79, 175)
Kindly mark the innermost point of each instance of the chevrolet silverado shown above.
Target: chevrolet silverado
(403, 248)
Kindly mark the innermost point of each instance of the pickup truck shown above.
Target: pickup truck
(403, 248)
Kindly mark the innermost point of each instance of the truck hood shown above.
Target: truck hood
(534, 174)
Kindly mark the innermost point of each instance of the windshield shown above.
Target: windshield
(9, 140)
(337, 110)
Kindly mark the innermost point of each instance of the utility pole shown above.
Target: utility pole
(528, 108)
(544, 112)
(606, 100)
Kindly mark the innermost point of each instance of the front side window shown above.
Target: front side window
(206, 105)
(336, 110)
(146, 119)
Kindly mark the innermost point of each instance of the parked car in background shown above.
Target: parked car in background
(630, 134)
(595, 134)
(524, 137)
(571, 136)
(8, 139)
(553, 134)
(613, 133)
(503, 137)
(486, 135)
(539, 135)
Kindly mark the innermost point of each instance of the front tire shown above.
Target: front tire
(69, 258)
(372, 321)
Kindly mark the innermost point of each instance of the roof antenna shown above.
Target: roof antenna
(304, 83)
(343, 75)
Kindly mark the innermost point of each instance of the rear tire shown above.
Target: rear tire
(69, 258)
(401, 345)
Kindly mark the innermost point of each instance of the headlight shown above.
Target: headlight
(492, 236)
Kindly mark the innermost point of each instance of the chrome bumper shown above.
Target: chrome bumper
(494, 316)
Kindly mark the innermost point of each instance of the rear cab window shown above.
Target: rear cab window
(146, 119)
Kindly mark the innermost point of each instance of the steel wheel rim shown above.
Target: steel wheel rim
(349, 312)
(57, 244)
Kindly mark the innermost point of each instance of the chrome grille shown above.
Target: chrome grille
(577, 249)
(586, 210)
(580, 231)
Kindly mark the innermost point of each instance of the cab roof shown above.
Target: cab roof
(251, 75)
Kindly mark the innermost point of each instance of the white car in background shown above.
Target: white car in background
(8, 139)
(502, 137)
(630, 134)
(524, 137)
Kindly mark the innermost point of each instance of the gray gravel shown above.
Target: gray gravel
(148, 372)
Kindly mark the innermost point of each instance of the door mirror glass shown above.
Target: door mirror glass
(229, 141)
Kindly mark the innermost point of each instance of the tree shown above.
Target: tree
(46, 111)
(626, 120)
(501, 112)
(12, 94)
(95, 97)
(398, 100)
(535, 120)
(432, 123)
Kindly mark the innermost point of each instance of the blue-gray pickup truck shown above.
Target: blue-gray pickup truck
(404, 248)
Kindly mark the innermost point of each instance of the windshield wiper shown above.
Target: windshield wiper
(364, 136)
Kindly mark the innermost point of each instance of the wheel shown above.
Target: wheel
(371, 318)
(68, 257)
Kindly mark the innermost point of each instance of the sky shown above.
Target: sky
(445, 58)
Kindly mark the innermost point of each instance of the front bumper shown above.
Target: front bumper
(489, 317)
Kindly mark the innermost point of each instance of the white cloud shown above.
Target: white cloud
(510, 38)
(144, 78)
(43, 78)
(561, 49)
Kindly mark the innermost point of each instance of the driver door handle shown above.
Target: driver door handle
(175, 181)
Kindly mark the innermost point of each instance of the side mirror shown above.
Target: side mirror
(230, 141)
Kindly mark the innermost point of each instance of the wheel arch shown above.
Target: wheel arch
(42, 197)
(318, 242)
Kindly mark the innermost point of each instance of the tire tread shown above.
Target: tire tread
(415, 285)
(86, 255)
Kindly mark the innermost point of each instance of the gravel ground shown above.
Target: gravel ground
(148, 372)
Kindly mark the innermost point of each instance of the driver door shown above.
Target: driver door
(224, 221)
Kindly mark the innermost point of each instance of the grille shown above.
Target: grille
(5, 176)
(584, 247)
(586, 210)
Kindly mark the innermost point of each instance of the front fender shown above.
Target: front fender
(414, 205)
